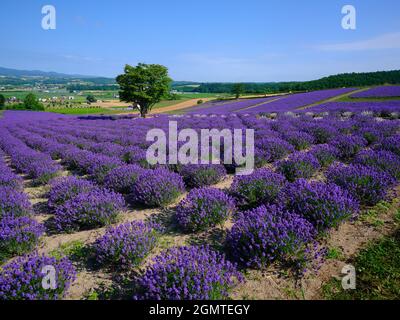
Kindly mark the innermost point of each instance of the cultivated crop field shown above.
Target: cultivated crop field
(77, 194)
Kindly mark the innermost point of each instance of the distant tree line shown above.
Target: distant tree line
(97, 87)
(336, 81)
(30, 102)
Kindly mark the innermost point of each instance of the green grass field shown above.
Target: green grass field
(377, 272)
(349, 99)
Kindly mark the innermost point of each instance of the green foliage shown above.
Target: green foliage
(32, 103)
(2, 101)
(91, 98)
(75, 250)
(238, 89)
(334, 253)
(144, 85)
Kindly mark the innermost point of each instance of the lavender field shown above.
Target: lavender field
(379, 92)
(284, 103)
(77, 193)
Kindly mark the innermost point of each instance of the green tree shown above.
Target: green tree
(144, 85)
(2, 101)
(91, 98)
(237, 89)
(32, 103)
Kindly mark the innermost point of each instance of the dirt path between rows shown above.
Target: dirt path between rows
(259, 104)
(179, 106)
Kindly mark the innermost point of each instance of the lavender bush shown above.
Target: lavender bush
(196, 176)
(158, 187)
(325, 154)
(122, 179)
(366, 184)
(8, 178)
(298, 165)
(324, 205)
(299, 140)
(18, 235)
(274, 148)
(204, 208)
(126, 245)
(381, 160)
(64, 189)
(13, 202)
(391, 144)
(348, 146)
(260, 187)
(96, 208)
(22, 278)
(188, 273)
(269, 233)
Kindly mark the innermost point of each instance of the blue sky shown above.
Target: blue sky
(207, 40)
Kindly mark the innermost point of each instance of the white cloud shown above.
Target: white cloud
(385, 41)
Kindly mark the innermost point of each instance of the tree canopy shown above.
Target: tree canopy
(144, 85)
(91, 98)
(2, 101)
(238, 89)
(32, 103)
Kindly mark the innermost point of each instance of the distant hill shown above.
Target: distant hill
(7, 72)
(16, 78)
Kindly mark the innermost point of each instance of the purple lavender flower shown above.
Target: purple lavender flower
(322, 133)
(260, 187)
(266, 234)
(126, 245)
(324, 205)
(348, 146)
(22, 278)
(298, 165)
(204, 208)
(300, 140)
(64, 189)
(196, 176)
(366, 184)
(13, 202)
(391, 144)
(122, 179)
(325, 154)
(9, 178)
(379, 92)
(136, 155)
(18, 235)
(158, 187)
(274, 148)
(188, 273)
(381, 160)
(101, 165)
(97, 208)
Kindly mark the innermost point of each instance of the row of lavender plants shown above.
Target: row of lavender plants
(20, 234)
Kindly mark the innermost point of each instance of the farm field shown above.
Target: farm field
(270, 104)
(78, 193)
(379, 92)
